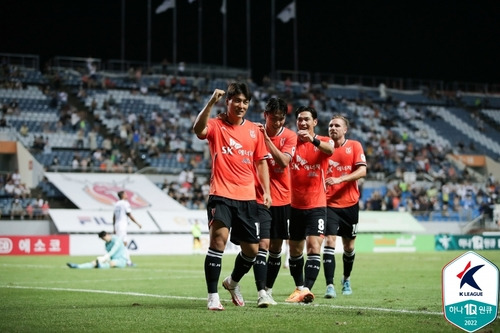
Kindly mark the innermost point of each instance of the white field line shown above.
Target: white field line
(110, 292)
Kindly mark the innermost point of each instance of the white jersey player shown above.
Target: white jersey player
(121, 214)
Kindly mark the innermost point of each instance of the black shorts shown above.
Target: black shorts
(343, 221)
(274, 222)
(307, 222)
(239, 216)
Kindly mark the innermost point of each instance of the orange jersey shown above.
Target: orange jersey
(344, 160)
(234, 148)
(279, 178)
(307, 172)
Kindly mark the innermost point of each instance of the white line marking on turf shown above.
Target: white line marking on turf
(110, 292)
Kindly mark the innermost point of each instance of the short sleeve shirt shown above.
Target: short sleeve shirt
(307, 171)
(279, 178)
(344, 160)
(234, 148)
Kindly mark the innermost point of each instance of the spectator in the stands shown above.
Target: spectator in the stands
(55, 163)
(24, 130)
(97, 156)
(38, 143)
(13, 107)
(375, 202)
(107, 145)
(29, 210)
(3, 121)
(47, 147)
(37, 207)
(45, 209)
(22, 191)
(63, 98)
(177, 144)
(75, 163)
(92, 139)
(75, 119)
(180, 156)
(16, 177)
(84, 164)
(17, 209)
(80, 137)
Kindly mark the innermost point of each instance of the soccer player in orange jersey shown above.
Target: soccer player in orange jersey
(345, 167)
(280, 143)
(308, 205)
(237, 148)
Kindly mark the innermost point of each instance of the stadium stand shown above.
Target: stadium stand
(80, 117)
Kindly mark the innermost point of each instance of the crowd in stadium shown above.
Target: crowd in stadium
(116, 128)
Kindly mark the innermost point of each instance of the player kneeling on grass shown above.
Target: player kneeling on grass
(115, 257)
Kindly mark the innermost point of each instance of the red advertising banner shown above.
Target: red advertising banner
(34, 245)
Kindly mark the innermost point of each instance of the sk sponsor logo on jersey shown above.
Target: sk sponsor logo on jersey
(470, 291)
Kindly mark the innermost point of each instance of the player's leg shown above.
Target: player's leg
(329, 252)
(260, 265)
(348, 260)
(315, 231)
(246, 230)
(296, 247)
(217, 212)
(122, 233)
(349, 226)
(87, 265)
(279, 232)
(313, 262)
(213, 262)
(273, 263)
(329, 265)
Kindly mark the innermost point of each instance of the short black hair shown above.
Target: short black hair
(276, 105)
(102, 234)
(120, 194)
(236, 88)
(309, 109)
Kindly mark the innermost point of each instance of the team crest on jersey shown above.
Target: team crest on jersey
(252, 134)
(348, 150)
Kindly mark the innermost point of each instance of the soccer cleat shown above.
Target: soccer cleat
(330, 292)
(131, 264)
(214, 304)
(304, 296)
(264, 301)
(346, 287)
(236, 296)
(293, 296)
(97, 263)
(71, 265)
(270, 294)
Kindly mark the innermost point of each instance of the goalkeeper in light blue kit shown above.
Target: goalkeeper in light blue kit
(115, 257)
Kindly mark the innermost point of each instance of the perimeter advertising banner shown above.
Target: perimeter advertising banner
(394, 243)
(153, 221)
(99, 191)
(467, 242)
(94, 221)
(34, 245)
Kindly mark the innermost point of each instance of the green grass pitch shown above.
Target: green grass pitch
(392, 292)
